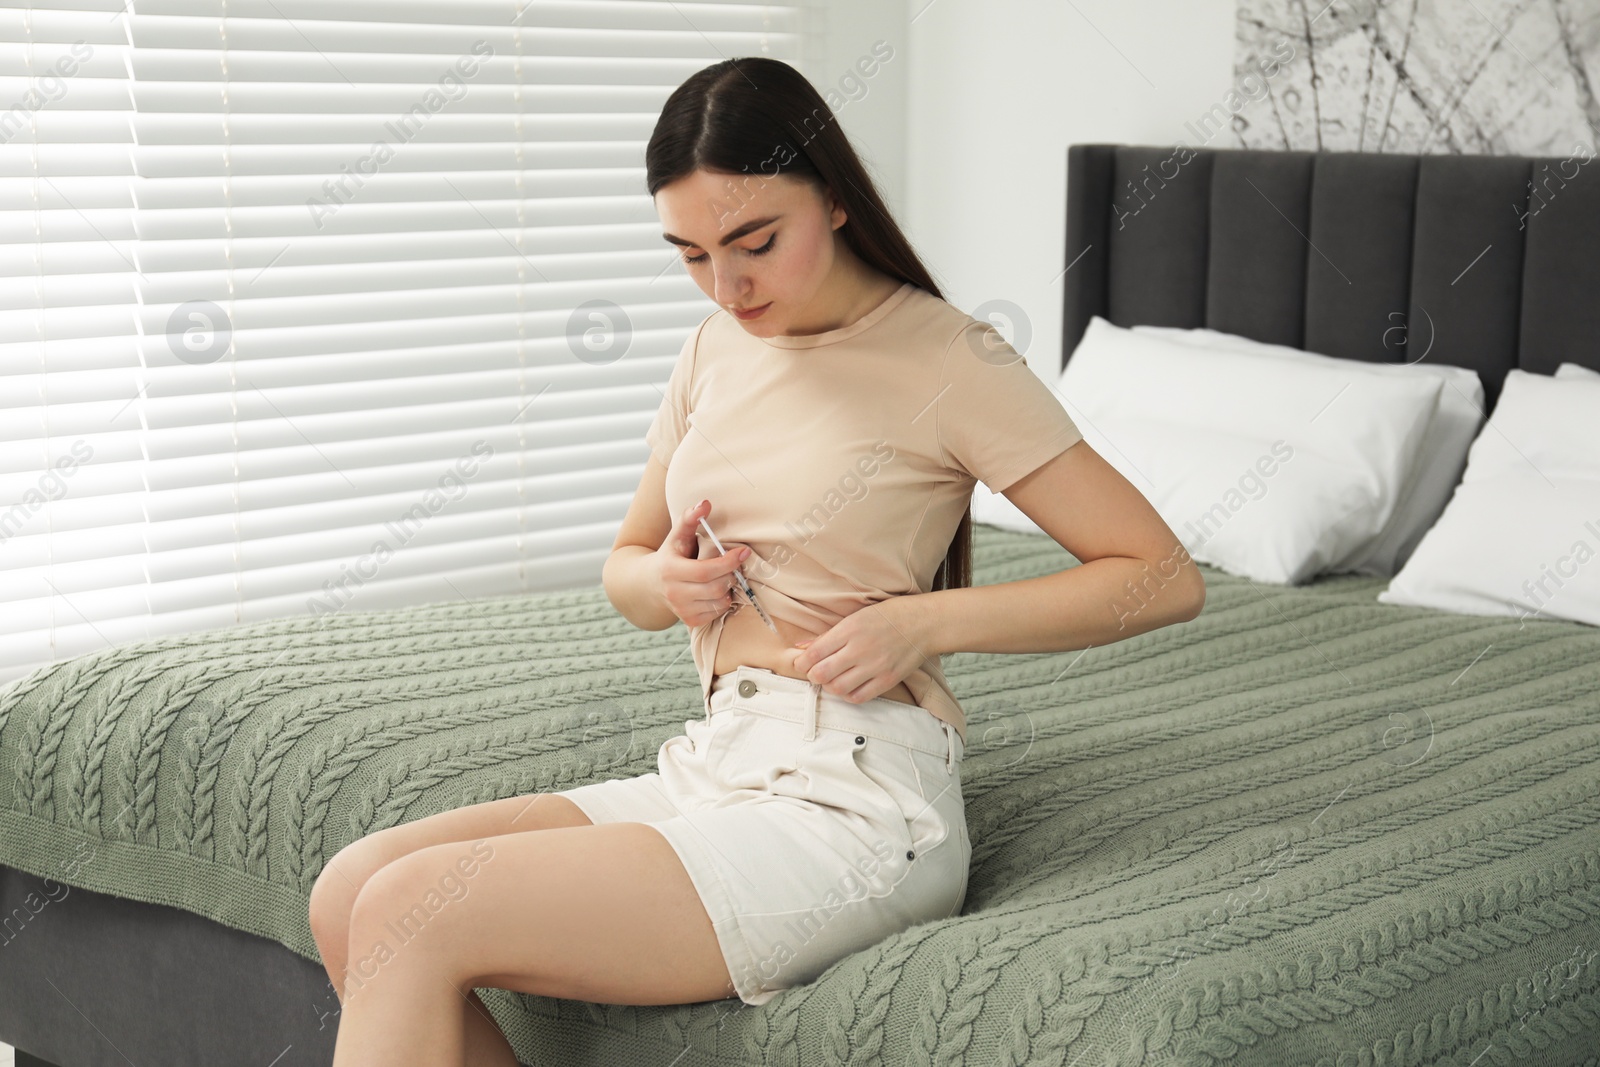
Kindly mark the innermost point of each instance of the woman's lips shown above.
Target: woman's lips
(753, 312)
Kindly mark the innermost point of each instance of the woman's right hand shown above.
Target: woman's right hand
(697, 590)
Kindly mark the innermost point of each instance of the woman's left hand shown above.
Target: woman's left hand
(866, 653)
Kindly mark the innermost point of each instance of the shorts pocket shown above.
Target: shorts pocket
(831, 774)
(920, 787)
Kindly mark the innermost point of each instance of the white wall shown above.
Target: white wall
(876, 111)
(966, 127)
(998, 89)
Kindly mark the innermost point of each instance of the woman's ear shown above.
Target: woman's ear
(837, 215)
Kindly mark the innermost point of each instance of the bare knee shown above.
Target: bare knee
(335, 890)
(400, 904)
(333, 896)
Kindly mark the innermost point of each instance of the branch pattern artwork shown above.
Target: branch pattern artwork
(1475, 77)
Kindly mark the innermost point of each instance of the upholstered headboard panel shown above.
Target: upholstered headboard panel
(1488, 262)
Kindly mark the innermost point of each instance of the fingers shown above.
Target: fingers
(721, 565)
(715, 573)
(685, 541)
(713, 607)
(733, 559)
(722, 599)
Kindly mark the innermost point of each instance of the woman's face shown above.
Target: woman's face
(780, 243)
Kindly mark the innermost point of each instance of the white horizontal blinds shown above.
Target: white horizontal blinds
(68, 333)
(361, 233)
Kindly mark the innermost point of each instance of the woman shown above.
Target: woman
(829, 422)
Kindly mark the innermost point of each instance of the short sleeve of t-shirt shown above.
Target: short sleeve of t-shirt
(997, 420)
(672, 417)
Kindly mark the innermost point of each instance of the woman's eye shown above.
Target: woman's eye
(763, 250)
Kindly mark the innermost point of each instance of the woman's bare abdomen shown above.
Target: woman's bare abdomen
(747, 641)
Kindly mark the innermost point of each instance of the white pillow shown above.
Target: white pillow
(1521, 535)
(1441, 456)
(1576, 370)
(1264, 467)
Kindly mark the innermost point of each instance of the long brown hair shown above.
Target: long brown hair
(753, 116)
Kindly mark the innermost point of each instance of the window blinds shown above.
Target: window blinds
(328, 305)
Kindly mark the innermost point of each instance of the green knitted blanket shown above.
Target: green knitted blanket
(1305, 828)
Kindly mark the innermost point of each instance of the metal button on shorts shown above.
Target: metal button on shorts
(811, 827)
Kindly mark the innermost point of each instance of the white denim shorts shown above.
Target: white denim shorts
(811, 827)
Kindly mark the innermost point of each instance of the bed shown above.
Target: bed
(1304, 828)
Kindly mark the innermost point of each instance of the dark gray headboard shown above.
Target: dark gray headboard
(1487, 262)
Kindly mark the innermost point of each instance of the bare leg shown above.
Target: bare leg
(345, 873)
(599, 913)
(486, 1044)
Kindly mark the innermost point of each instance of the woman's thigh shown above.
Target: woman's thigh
(604, 913)
(510, 815)
(348, 870)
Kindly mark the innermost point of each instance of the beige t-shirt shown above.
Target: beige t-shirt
(845, 459)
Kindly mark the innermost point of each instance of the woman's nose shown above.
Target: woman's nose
(729, 288)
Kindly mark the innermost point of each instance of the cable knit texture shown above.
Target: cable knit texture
(1305, 828)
